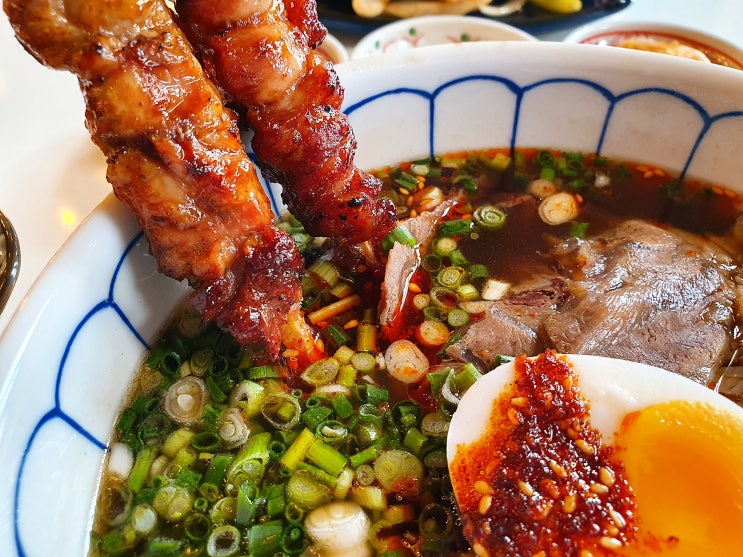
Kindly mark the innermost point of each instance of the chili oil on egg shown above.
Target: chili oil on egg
(583, 455)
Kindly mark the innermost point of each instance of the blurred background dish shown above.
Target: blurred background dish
(660, 38)
(333, 49)
(433, 30)
(339, 16)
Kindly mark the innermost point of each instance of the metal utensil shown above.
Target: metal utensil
(10, 259)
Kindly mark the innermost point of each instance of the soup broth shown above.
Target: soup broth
(220, 452)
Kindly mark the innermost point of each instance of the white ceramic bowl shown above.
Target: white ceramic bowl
(613, 33)
(416, 32)
(69, 353)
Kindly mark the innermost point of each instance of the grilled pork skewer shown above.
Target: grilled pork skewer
(174, 156)
(260, 53)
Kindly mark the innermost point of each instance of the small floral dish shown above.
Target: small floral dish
(68, 356)
(660, 38)
(434, 30)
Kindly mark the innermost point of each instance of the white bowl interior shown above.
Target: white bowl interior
(73, 346)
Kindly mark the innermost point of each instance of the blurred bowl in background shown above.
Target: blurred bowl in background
(660, 38)
(431, 30)
(333, 49)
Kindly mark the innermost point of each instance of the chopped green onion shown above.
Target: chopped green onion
(337, 334)
(451, 277)
(173, 503)
(321, 372)
(456, 227)
(206, 441)
(467, 292)
(434, 424)
(407, 181)
(247, 503)
(363, 457)
(197, 527)
(281, 410)
(297, 450)
(224, 541)
(141, 468)
(263, 372)
(216, 470)
(457, 258)
(342, 407)
(414, 440)
(326, 457)
(347, 376)
(216, 393)
(314, 416)
(431, 262)
(444, 246)
(578, 229)
(364, 475)
(466, 377)
(457, 317)
(399, 235)
(331, 431)
(489, 217)
(305, 491)
(364, 362)
(326, 270)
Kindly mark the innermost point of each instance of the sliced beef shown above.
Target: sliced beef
(645, 294)
(403, 261)
(636, 291)
(513, 325)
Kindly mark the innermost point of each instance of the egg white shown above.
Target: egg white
(612, 387)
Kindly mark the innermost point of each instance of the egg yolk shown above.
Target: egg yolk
(683, 461)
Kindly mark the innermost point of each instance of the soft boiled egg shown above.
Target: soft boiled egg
(584, 455)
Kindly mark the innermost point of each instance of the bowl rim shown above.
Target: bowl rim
(705, 39)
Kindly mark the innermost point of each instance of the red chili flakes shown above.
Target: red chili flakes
(542, 481)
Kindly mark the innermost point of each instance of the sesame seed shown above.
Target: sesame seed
(570, 503)
(514, 416)
(610, 543)
(617, 518)
(480, 550)
(585, 553)
(612, 530)
(557, 469)
(483, 488)
(572, 433)
(584, 446)
(543, 510)
(484, 505)
(525, 488)
(599, 488)
(606, 476)
(519, 401)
